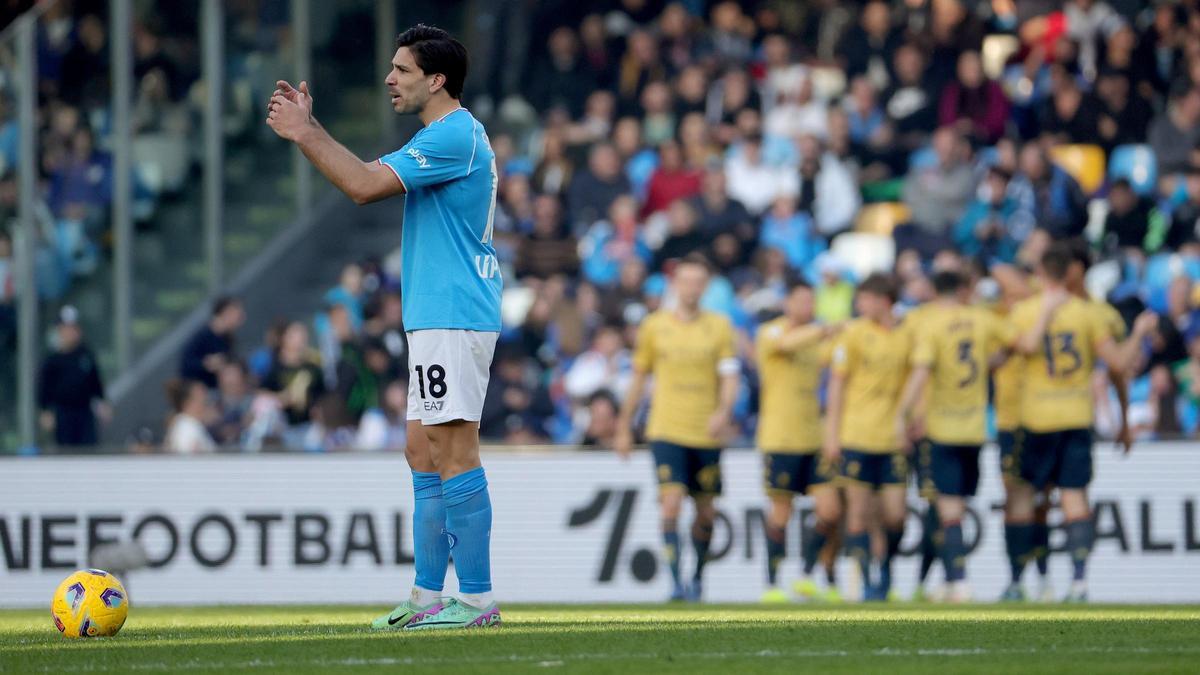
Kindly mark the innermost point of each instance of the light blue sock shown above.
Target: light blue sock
(431, 548)
(469, 529)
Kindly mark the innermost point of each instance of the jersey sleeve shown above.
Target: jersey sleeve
(923, 347)
(643, 353)
(435, 156)
(1002, 334)
(727, 361)
(1113, 321)
(842, 358)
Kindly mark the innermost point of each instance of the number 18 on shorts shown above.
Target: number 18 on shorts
(448, 374)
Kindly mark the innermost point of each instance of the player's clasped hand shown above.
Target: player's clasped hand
(289, 111)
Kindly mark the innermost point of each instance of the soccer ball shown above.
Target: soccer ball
(89, 603)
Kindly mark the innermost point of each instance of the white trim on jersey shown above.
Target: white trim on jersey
(491, 221)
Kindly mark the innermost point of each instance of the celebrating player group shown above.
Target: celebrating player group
(905, 398)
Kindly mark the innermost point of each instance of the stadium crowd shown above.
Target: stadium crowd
(779, 139)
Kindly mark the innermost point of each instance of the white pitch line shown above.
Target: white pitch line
(565, 659)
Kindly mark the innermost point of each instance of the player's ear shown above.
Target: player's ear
(436, 82)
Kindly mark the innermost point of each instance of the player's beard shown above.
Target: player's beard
(410, 105)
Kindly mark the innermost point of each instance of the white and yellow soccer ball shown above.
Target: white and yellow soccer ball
(90, 603)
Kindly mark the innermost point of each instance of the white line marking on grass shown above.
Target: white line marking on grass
(563, 659)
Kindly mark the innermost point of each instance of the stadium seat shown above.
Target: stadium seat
(881, 218)
(1085, 163)
(1136, 164)
(864, 253)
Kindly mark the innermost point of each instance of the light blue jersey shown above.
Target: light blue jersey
(449, 274)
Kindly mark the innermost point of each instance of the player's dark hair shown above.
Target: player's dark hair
(1081, 251)
(797, 282)
(949, 282)
(223, 303)
(698, 259)
(436, 51)
(881, 284)
(178, 391)
(1056, 260)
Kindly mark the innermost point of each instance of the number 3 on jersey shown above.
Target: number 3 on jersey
(437, 380)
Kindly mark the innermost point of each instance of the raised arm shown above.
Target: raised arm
(289, 115)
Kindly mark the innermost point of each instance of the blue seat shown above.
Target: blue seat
(1136, 164)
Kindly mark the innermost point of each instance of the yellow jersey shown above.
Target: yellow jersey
(955, 342)
(1056, 391)
(1111, 318)
(874, 362)
(914, 320)
(684, 357)
(789, 418)
(1006, 385)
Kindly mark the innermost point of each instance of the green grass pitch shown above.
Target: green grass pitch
(628, 639)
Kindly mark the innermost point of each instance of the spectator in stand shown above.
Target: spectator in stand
(1187, 375)
(83, 180)
(990, 229)
(1124, 115)
(187, 433)
(672, 180)
(798, 112)
(937, 195)
(85, 68)
(599, 59)
(624, 304)
(909, 103)
(868, 125)
(601, 427)
(691, 91)
(234, 401)
(754, 183)
(605, 366)
(70, 391)
(834, 294)
(827, 190)
(973, 104)
(639, 66)
(212, 346)
(597, 122)
(1175, 132)
(554, 169)
(1090, 23)
(1128, 223)
(559, 78)
(386, 427)
(735, 93)
(868, 48)
(516, 403)
(362, 374)
(730, 34)
(718, 214)
(682, 236)
(792, 232)
(1048, 195)
(1070, 115)
(1185, 220)
(295, 380)
(658, 113)
(594, 189)
(549, 249)
(609, 244)
(680, 42)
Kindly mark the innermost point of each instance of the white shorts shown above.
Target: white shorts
(448, 374)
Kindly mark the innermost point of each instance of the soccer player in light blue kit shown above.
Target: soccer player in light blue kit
(451, 292)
